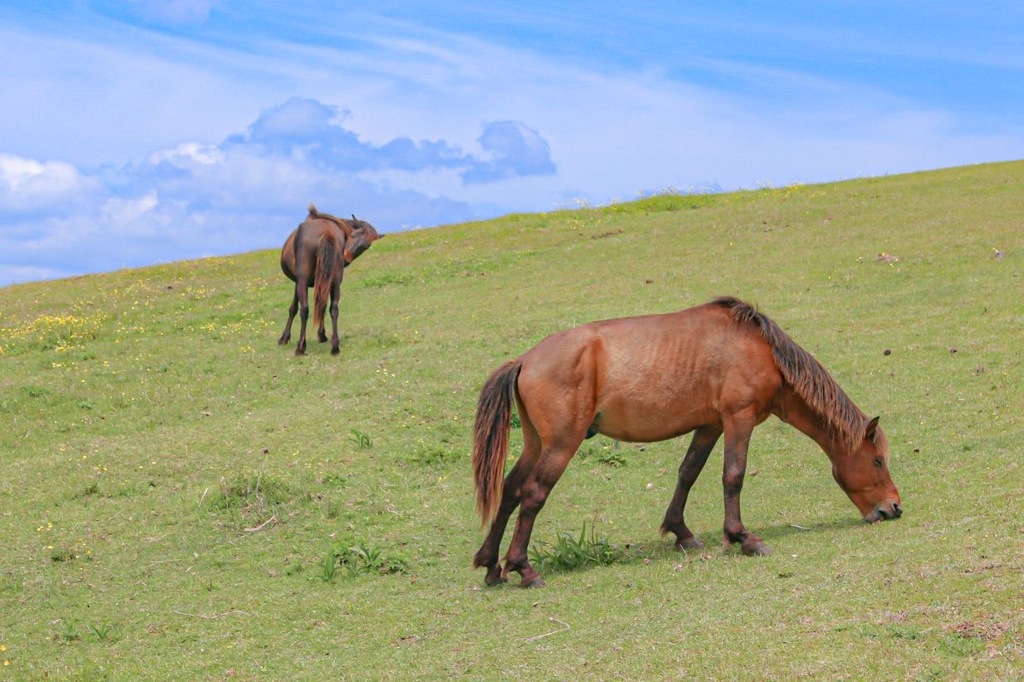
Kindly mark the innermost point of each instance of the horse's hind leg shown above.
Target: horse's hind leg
(487, 556)
(286, 335)
(321, 331)
(703, 443)
(535, 491)
(335, 340)
(303, 296)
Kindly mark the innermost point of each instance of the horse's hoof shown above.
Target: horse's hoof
(536, 581)
(494, 577)
(757, 549)
(689, 543)
(335, 351)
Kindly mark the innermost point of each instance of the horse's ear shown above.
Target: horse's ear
(869, 433)
(355, 218)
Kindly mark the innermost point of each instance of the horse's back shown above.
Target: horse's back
(651, 377)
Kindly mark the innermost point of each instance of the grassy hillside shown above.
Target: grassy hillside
(181, 498)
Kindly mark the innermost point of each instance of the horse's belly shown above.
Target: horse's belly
(647, 423)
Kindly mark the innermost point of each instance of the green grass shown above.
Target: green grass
(180, 498)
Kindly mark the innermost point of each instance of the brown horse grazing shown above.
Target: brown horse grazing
(718, 368)
(315, 255)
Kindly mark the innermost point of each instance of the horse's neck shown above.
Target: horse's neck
(795, 411)
(342, 224)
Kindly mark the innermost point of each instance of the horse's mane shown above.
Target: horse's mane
(807, 377)
(347, 226)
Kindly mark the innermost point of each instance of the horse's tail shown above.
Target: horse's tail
(326, 262)
(490, 437)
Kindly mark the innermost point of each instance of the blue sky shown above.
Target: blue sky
(135, 132)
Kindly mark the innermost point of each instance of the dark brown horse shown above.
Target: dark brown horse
(315, 255)
(719, 368)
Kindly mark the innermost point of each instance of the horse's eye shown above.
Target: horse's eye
(878, 462)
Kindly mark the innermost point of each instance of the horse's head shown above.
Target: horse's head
(363, 235)
(864, 476)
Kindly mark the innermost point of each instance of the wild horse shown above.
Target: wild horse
(720, 368)
(315, 255)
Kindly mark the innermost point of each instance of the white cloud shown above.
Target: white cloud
(29, 184)
(188, 154)
(118, 214)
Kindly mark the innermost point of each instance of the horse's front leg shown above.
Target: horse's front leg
(737, 440)
(703, 443)
(286, 335)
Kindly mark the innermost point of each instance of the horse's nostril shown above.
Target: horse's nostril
(897, 510)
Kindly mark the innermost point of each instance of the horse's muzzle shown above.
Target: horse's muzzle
(885, 512)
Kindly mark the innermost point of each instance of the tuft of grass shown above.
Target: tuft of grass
(62, 554)
(328, 567)
(102, 632)
(612, 459)
(359, 557)
(254, 495)
(431, 455)
(571, 553)
(961, 646)
(68, 632)
(362, 440)
(36, 391)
